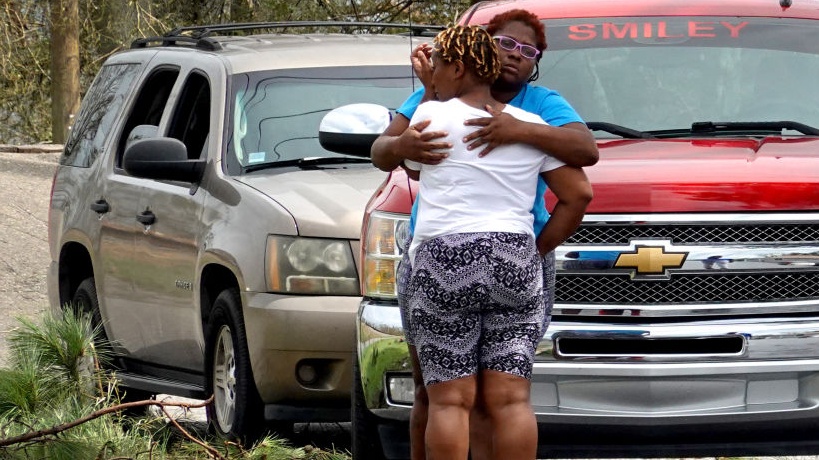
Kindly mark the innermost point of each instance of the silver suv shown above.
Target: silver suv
(199, 218)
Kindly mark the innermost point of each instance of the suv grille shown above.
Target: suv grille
(614, 234)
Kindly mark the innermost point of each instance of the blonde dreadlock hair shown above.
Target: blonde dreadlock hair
(471, 45)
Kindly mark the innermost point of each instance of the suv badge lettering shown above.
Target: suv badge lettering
(650, 261)
(186, 285)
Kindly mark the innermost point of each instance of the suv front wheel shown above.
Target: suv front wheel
(237, 409)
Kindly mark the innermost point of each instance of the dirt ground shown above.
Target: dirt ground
(25, 182)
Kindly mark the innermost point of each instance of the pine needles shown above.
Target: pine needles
(57, 403)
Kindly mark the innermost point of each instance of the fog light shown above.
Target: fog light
(401, 389)
(306, 373)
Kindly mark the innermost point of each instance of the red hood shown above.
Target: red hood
(703, 175)
(682, 175)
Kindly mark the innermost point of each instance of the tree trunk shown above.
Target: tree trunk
(65, 66)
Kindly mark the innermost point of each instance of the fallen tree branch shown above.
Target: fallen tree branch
(33, 435)
(213, 452)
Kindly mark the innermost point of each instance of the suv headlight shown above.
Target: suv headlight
(383, 248)
(297, 265)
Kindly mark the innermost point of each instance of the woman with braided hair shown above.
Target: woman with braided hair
(476, 295)
(565, 137)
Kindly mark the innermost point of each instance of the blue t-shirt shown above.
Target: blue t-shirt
(551, 107)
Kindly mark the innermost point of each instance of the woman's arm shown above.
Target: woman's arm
(572, 143)
(401, 142)
(574, 192)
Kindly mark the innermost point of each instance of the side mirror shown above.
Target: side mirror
(162, 158)
(352, 129)
(142, 132)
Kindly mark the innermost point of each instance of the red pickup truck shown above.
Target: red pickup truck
(687, 304)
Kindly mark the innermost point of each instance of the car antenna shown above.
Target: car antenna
(412, 79)
(409, 11)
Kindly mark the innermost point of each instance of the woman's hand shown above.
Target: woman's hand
(422, 146)
(499, 129)
(422, 65)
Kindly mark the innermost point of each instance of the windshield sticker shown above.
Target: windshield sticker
(656, 30)
(256, 157)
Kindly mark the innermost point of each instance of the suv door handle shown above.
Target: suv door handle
(100, 206)
(146, 217)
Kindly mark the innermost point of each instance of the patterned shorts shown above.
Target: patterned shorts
(476, 302)
(548, 286)
(405, 276)
(402, 281)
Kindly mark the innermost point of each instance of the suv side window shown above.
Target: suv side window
(191, 119)
(149, 104)
(99, 110)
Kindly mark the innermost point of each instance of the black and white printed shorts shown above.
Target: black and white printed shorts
(476, 302)
(402, 281)
(404, 277)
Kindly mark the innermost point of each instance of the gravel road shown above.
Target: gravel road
(25, 180)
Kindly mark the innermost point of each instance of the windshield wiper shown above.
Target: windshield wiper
(618, 130)
(774, 127)
(307, 163)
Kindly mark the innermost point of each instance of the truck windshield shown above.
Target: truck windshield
(276, 114)
(654, 74)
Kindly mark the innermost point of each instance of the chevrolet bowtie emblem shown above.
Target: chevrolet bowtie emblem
(650, 260)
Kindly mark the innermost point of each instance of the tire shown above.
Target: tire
(237, 412)
(366, 443)
(85, 301)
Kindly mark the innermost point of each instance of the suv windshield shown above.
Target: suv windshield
(658, 75)
(275, 115)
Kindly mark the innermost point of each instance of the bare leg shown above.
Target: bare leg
(420, 407)
(447, 435)
(480, 441)
(480, 431)
(505, 398)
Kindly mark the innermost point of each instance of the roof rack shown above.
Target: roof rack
(201, 36)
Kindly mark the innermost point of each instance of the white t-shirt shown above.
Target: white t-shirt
(466, 194)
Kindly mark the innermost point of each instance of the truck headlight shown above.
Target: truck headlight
(383, 248)
(297, 265)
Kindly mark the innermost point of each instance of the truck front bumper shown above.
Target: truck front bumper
(699, 374)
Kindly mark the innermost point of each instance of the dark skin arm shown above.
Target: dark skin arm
(572, 143)
(401, 142)
(574, 192)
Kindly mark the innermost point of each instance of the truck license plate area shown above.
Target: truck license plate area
(634, 347)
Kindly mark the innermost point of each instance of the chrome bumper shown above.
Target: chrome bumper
(738, 370)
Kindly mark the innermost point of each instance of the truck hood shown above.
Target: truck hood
(324, 203)
(705, 175)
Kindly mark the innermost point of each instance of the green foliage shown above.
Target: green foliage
(24, 388)
(111, 25)
(383, 355)
(64, 346)
(52, 382)
(24, 73)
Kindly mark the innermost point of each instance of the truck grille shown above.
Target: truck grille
(770, 259)
(606, 233)
(688, 288)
